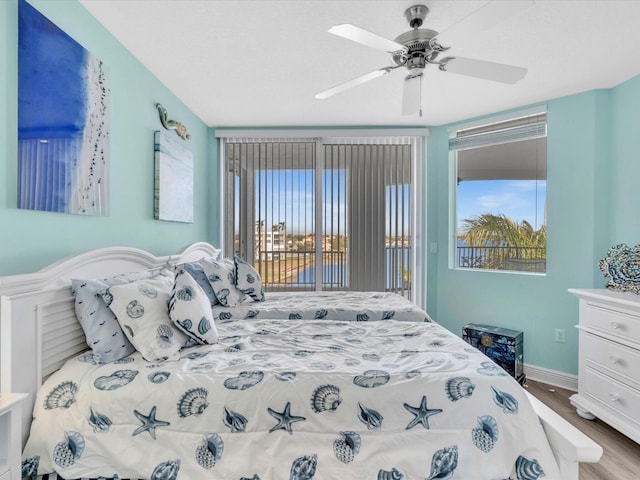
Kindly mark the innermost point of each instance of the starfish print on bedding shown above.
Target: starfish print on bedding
(149, 423)
(285, 419)
(422, 414)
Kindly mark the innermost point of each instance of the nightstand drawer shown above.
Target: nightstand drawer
(615, 395)
(617, 322)
(612, 356)
(5, 476)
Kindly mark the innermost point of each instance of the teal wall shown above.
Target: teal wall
(592, 198)
(593, 167)
(624, 164)
(30, 240)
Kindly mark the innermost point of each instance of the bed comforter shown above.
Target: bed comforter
(297, 400)
(358, 306)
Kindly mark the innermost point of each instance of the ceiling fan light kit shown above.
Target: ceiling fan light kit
(420, 47)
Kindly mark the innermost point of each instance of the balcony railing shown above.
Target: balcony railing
(296, 270)
(521, 259)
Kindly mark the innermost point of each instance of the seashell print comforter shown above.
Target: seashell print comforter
(359, 306)
(296, 400)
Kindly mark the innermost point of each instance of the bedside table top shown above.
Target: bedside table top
(10, 400)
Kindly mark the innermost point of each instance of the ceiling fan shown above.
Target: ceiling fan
(421, 47)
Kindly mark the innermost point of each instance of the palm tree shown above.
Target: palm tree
(492, 231)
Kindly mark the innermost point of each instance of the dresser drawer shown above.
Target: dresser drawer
(619, 323)
(617, 359)
(616, 396)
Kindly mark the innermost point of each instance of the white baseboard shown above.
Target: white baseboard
(552, 377)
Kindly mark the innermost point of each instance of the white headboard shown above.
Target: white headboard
(39, 330)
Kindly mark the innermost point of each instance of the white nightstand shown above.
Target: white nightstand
(11, 435)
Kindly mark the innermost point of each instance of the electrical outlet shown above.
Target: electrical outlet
(561, 335)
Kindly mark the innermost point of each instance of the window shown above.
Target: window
(500, 195)
(323, 213)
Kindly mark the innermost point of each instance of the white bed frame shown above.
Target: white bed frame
(39, 332)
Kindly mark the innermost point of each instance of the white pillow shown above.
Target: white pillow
(101, 328)
(190, 309)
(222, 277)
(248, 280)
(142, 310)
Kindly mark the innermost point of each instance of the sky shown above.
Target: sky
(517, 199)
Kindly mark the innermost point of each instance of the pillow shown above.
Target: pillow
(190, 309)
(143, 313)
(104, 335)
(248, 280)
(195, 270)
(222, 277)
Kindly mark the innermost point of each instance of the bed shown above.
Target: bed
(287, 393)
(336, 305)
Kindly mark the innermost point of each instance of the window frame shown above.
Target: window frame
(454, 177)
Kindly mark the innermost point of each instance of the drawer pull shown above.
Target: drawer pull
(614, 325)
(614, 359)
(614, 397)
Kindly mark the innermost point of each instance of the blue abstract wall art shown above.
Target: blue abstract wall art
(63, 120)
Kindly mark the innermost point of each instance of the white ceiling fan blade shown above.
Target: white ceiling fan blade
(365, 37)
(492, 13)
(353, 83)
(496, 72)
(412, 94)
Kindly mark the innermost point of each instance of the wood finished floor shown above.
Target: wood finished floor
(621, 457)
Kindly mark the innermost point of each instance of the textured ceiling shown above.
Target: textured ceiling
(260, 62)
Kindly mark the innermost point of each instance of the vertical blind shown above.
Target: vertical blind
(322, 213)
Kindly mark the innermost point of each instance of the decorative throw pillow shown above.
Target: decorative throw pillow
(103, 333)
(190, 309)
(143, 313)
(195, 270)
(222, 277)
(248, 280)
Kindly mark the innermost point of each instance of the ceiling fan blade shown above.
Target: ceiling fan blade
(493, 13)
(366, 38)
(353, 83)
(412, 94)
(496, 72)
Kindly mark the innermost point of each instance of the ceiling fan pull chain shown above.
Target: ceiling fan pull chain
(420, 111)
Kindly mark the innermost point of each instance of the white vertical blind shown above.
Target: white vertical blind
(346, 204)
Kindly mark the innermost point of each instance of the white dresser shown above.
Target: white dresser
(609, 359)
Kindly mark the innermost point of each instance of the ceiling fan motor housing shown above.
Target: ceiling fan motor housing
(419, 50)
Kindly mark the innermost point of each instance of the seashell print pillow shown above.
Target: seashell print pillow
(222, 277)
(142, 310)
(101, 328)
(248, 280)
(190, 309)
(195, 270)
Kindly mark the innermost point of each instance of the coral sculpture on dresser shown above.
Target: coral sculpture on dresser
(622, 265)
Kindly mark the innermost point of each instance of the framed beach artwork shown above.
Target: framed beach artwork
(173, 179)
(63, 120)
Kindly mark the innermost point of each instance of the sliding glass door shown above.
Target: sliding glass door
(322, 214)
